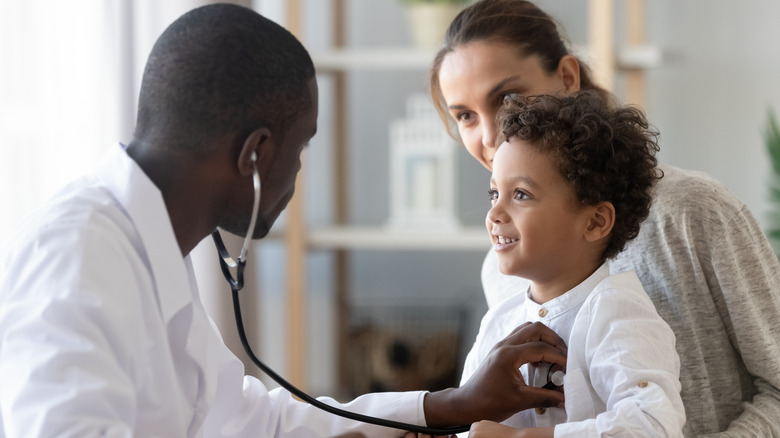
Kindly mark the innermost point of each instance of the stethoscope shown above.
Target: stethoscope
(227, 264)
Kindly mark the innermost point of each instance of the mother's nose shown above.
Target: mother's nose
(489, 146)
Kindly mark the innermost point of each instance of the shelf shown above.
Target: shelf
(404, 58)
(387, 238)
(300, 239)
(639, 57)
(384, 59)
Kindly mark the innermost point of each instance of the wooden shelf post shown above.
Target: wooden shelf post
(295, 243)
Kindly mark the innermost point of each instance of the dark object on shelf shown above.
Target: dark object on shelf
(403, 348)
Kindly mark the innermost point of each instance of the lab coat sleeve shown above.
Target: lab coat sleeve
(243, 407)
(254, 411)
(630, 367)
(404, 407)
(62, 370)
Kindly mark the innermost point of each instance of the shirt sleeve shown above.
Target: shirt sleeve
(627, 374)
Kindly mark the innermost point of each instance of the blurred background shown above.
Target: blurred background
(355, 290)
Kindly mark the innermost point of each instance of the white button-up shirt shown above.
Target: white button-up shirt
(102, 331)
(622, 374)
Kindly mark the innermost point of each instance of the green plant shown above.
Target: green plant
(772, 141)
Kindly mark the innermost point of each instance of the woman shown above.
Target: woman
(700, 254)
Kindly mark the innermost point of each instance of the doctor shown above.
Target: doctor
(102, 331)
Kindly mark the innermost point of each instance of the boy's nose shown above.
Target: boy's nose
(496, 215)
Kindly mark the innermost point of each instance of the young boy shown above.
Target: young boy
(570, 186)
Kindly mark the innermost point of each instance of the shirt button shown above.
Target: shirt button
(542, 312)
(642, 384)
(541, 411)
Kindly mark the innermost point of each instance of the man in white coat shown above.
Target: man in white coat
(102, 331)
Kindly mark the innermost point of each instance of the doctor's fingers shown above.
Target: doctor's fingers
(534, 332)
(497, 389)
(540, 397)
(511, 357)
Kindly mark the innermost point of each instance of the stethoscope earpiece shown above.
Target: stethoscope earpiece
(225, 261)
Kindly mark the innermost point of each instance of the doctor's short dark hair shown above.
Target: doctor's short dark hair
(220, 69)
(606, 153)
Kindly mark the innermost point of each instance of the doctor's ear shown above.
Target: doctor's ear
(254, 151)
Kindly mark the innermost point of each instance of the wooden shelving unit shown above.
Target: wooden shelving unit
(342, 237)
(382, 238)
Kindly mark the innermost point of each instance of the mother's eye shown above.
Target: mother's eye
(509, 96)
(464, 116)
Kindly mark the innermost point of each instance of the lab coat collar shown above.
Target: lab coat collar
(143, 203)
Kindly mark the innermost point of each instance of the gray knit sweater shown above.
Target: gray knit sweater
(707, 266)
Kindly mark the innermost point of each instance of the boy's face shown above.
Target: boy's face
(536, 223)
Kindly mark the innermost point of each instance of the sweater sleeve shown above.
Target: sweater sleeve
(708, 268)
(746, 296)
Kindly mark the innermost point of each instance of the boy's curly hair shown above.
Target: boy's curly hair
(606, 153)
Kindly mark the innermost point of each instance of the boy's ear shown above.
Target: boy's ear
(256, 149)
(600, 222)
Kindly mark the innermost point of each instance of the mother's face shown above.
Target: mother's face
(475, 78)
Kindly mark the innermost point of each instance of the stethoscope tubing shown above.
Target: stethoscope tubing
(318, 404)
(237, 283)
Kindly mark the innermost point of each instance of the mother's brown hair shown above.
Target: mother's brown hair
(516, 23)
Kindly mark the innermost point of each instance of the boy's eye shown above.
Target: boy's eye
(493, 194)
(521, 195)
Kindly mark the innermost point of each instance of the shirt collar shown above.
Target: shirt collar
(143, 203)
(572, 298)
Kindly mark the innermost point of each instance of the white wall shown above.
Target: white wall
(708, 100)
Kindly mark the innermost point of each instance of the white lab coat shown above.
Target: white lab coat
(622, 374)
(102, 331)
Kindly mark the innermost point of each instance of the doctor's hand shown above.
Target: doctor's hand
(497, 390)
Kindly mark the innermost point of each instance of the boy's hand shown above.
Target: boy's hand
(421, 435)
(489, 429)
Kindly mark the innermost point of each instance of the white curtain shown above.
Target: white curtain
(70, 73)
(58, 98)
